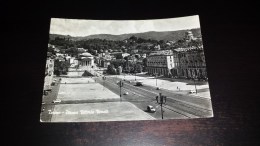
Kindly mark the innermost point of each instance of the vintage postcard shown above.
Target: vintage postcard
(125, 70)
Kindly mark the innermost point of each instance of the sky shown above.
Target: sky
(80, 27)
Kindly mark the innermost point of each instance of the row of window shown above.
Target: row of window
(157, 70)
(156, 62)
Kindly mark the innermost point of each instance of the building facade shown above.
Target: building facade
(190, 62)
(49, 69)
(160, 64)
(86, 59)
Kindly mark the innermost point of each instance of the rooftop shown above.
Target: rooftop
(86, 54)
(188, 49)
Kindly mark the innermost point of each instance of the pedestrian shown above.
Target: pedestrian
(65, 82)
(177, 87)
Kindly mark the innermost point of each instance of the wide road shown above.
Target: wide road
(177, 105)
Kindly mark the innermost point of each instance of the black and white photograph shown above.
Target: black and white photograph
(125, 70)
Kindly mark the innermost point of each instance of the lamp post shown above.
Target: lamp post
(104, 78)
(194, 78)
(161, 99)
(120, 84)
(156, 78)
(135, 75)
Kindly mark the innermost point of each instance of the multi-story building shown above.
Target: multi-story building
(160, 64)
(49, 69)
(103, 59)
(190, 62)
(161, 52)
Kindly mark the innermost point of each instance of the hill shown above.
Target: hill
(153, 35)
(53, 36)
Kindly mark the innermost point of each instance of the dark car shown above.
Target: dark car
(139, 83)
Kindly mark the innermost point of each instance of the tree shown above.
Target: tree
(133, 38)
(111, 70)
(137, 56)
(161, 42)
(72, 51)
(119, 56)
(51, 50)
(144, 64)
(138, 68)
(141, 40)
(60, 67)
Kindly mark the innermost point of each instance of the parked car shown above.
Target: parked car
(53, 83)
(139, 83)
(192, 91)
(126, 93)
(56, 101)
(43, 109)
(150, 109)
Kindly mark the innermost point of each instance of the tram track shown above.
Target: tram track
(186, 109)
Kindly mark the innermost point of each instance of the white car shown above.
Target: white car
(126, 93)
(150, 109)
(56, 101)
(43, 109)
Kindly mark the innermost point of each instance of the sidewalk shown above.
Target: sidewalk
(168, 85)
(202, 95)
(47, 99)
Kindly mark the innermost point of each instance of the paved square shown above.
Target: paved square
(77, 80)
(81, 89)
(94, 112)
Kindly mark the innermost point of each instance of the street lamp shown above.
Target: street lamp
(161, 99)
(120, 84)
(104, 78)
(135, 74)
(194, 78)
(156, 78)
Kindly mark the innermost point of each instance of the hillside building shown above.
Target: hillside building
(189, 36)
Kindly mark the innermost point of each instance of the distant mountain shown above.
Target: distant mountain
(153, 35)
(53, 36)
